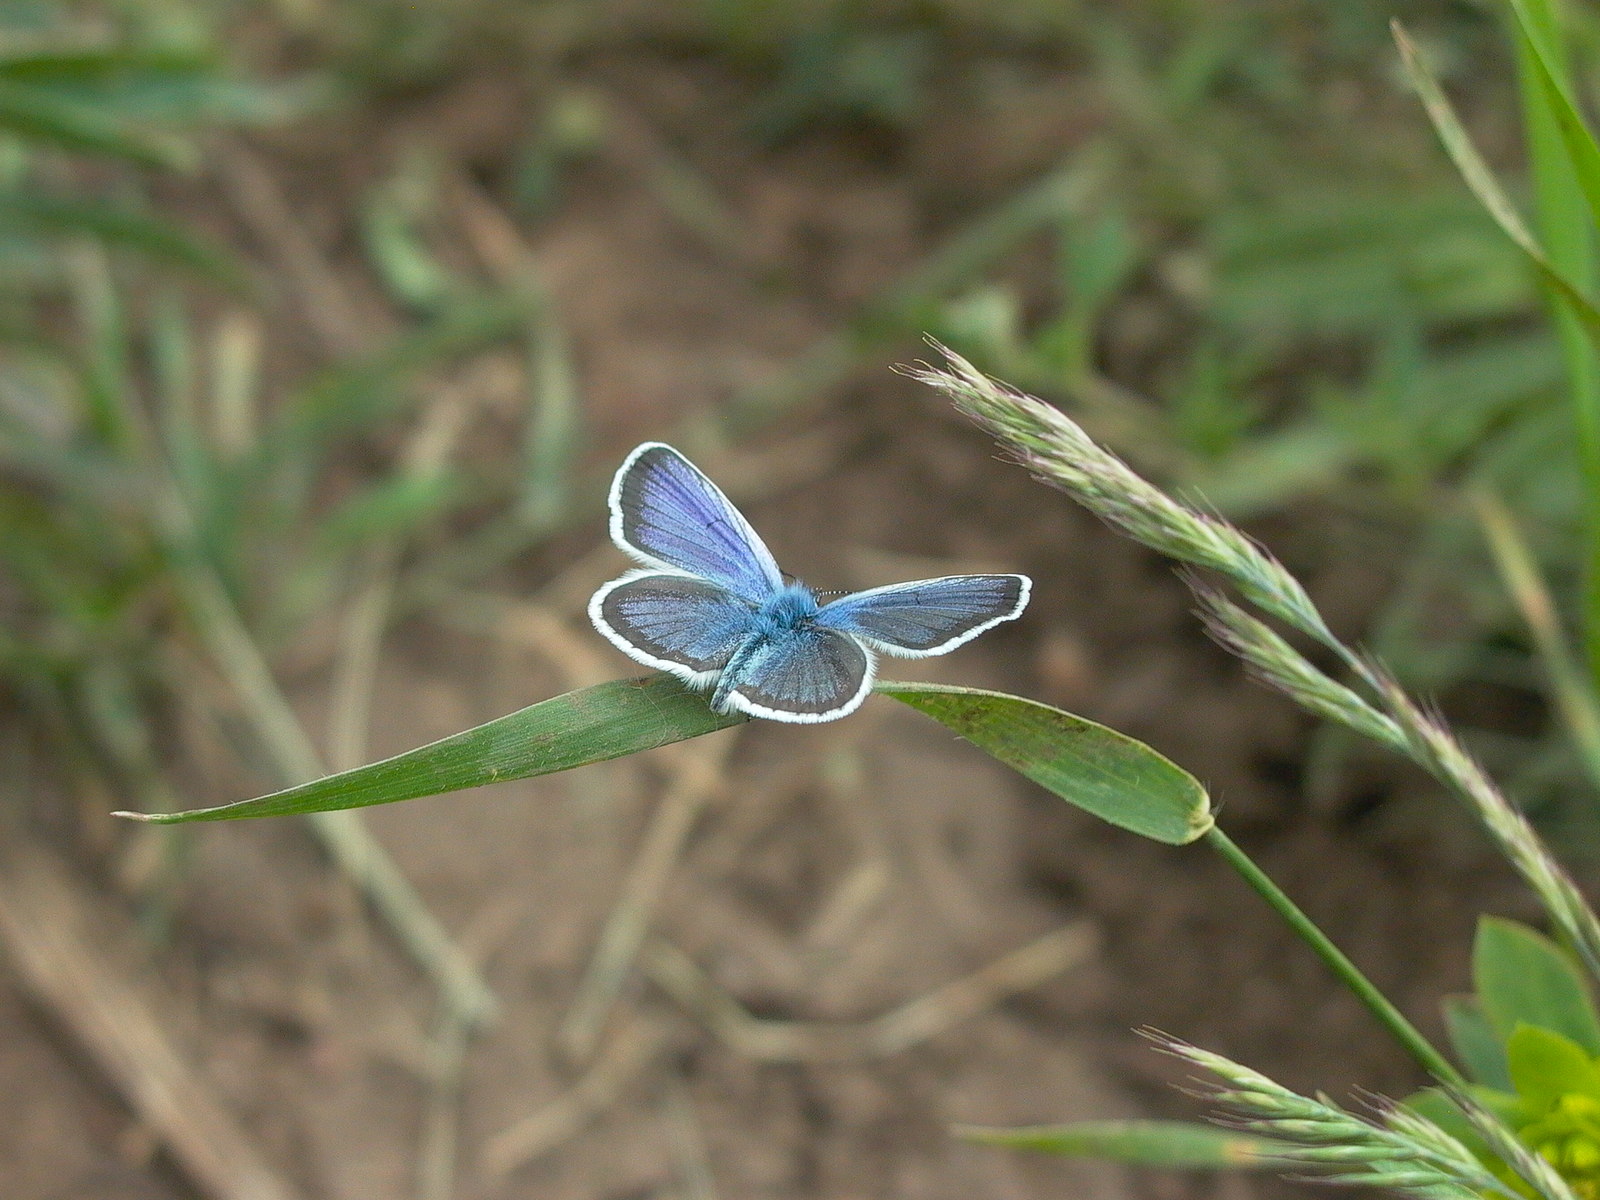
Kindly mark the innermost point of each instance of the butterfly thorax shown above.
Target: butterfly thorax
(786, 609)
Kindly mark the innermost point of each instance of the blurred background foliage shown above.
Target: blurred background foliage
(1268, 286)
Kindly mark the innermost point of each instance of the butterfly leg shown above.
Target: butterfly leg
(733, 674)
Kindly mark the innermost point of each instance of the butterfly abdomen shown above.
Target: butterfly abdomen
(778, 620)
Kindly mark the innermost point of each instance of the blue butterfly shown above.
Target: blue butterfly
(711, 607)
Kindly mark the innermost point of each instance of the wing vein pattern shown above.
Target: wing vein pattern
(675, 622)
(927, 616)
(806, 675)
(667, 513)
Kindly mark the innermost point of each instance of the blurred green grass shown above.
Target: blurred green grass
(1261, 279)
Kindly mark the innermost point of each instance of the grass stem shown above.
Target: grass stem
(1349, 974)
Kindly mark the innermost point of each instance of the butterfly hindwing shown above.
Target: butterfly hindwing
(668, 514)
(927, 616)
(673, 622)
(807, 676)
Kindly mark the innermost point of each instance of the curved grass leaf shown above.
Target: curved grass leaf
(1143, 1143)
(590, 725)
(35, 115)
(1103, 772)
(80, 65)
(1533, 28)
(187, 85)
(1477, 176)
(41, 214)
(1564, 169)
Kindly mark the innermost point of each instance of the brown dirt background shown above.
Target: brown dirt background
(839, 871)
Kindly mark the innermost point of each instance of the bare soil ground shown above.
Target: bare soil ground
(831, 874)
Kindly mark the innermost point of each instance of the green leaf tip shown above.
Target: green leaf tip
(590, 725)
(1103, 772)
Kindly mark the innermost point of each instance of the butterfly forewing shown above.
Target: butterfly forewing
(927, 616)
(811, 675)
(666, 513)
(676, 623)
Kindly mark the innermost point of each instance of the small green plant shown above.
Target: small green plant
(1527, 1039)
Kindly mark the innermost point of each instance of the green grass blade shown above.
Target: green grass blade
(181, 86)
(590, 725)
(354, 396)
(1103, 772)
(37, 213)
(1570, 687)
(109, 392)
(78, 65)
(1106, 773)
(1550, 78)
(35, 115)
(1170, 1144)
(1565, 170)
(1477, 176)
(554, 425)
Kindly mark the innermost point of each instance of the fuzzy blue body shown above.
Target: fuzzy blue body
(786, 611)
(781, 622)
